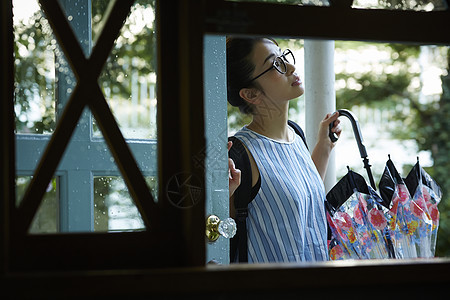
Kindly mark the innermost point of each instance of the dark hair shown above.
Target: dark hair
(240, 69)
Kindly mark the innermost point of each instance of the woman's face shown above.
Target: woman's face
(276, 87)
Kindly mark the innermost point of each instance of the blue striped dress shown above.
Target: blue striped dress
(286, 220)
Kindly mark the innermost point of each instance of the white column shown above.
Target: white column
(320, 96)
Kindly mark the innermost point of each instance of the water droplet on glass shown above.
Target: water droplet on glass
(70, 18)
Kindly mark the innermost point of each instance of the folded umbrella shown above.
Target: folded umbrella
(409, 221)
(357, 221)
(427, 194)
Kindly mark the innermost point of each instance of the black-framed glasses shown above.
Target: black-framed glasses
(279, 63)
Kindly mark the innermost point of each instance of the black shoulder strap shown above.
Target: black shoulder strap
(242, 197)
(298, 130)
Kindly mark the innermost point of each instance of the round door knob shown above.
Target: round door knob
(215, 228)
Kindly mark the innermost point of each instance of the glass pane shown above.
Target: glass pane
(129, 77)
(35, 48)
(418, 5)
(43, 79)
(46, 219)
(114, 209)
(76, 206)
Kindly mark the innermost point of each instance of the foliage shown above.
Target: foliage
(411, 4)
(33, 75)
(136, 50)
(433, 133)
(38, 59)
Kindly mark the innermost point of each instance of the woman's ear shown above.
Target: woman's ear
(251, 95)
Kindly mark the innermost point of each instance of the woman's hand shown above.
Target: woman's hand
(323, 135)
(234, 175)
(321, 152)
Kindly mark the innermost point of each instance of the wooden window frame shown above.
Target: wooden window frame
(179, 237)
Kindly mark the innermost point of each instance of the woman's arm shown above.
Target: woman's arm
(322, 150)
(234, 175)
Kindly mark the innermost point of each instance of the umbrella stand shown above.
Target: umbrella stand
(359, 141)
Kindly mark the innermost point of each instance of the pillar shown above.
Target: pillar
(320, 96)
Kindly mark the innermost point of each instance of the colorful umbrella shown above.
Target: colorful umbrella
(427, 194)
(357, 221)
(410, 222)
(366, 225)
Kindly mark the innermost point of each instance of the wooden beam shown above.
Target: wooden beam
(181, 124)
(320, 22)
(7, 149)
(353, 279)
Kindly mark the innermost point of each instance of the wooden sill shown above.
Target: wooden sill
(424, 278)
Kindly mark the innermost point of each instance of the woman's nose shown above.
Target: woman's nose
(290, 68)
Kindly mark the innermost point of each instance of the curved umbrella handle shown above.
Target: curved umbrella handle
(356, 131)
(359, 141)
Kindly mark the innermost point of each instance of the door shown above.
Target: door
(216, 162)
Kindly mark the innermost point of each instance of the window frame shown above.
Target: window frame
(182, 241)
(47, 251)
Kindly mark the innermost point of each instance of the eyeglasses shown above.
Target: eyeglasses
(279, 63)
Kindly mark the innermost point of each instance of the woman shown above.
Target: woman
(285, 219)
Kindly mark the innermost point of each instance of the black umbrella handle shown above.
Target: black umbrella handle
(356, 131)
(359, 141)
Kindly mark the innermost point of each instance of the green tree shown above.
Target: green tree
(433, 132)
(34, 77)
(38, 56)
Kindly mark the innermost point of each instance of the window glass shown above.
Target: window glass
(34, 53)
(114, 209)
(46, 219)
(88, 193)
(129, 76)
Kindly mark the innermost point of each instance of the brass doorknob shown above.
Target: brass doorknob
(215, 228)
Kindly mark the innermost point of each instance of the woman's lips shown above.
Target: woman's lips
(297, 81)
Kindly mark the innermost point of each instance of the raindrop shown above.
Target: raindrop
(70, 18)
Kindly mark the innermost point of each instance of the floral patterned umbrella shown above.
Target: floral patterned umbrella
(427, 194)
(392, 224)
(410, 223)
(357, 221)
